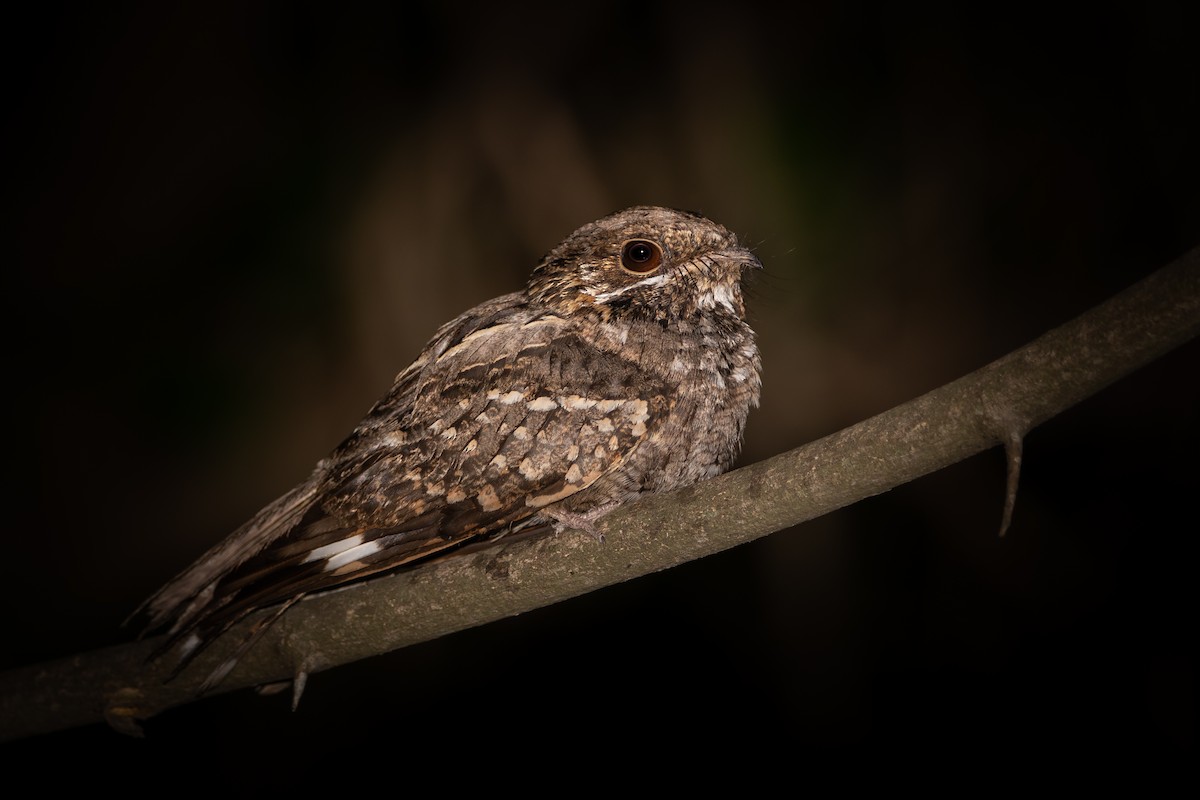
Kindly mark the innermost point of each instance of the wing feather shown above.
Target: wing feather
(506, 413)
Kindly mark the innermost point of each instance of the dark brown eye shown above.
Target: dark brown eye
(641, 256)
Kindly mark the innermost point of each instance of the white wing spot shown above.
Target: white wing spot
(576, 403)
(353, 554)
(487, 499)
(334, 548)
(542, 404)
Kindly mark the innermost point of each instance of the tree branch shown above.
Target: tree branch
(997, 404)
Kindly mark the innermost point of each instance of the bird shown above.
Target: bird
(624, 367)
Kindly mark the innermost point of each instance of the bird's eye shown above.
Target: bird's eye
(641, 256)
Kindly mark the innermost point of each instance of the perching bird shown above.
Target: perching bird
(624, 367)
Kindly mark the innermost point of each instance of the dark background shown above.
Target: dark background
(233, 225)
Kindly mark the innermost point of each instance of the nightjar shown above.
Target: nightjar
(624, 367)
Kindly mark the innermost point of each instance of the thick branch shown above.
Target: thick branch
(996, 404)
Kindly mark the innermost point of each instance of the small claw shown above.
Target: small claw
(585, 523)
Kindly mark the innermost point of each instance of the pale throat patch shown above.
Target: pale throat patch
(720, 294)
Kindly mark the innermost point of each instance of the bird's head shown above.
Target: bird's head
(646, 262)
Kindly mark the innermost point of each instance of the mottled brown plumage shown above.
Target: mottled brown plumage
(624, 367)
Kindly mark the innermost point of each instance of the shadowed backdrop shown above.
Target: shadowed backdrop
(232, 226)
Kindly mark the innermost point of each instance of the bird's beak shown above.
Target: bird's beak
(742, 257)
